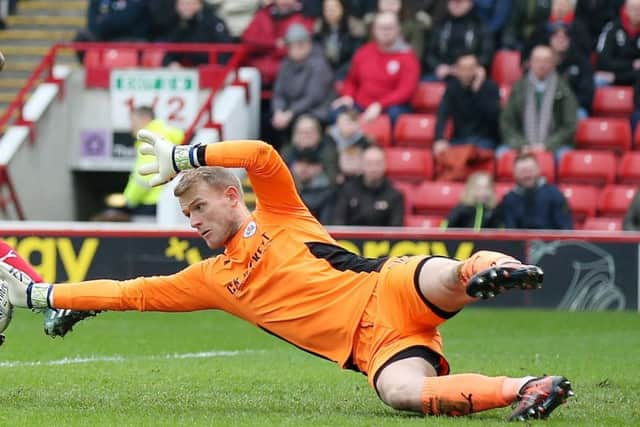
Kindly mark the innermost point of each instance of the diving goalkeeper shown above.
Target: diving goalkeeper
(283, 272)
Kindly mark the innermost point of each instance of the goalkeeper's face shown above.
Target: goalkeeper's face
(215, 214)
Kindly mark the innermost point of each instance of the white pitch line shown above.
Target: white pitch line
(123, 359)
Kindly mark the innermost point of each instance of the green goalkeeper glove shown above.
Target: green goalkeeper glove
(170, 158)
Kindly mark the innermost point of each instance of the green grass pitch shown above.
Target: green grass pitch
(206, 368)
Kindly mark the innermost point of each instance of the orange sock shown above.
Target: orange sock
(479, 261)
(462, 394)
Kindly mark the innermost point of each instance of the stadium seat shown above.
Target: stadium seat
(417, 130)
(436, 198)
(152, 58)
(613, 101)
(428, 96)
(504, 171)
(503, 188)
(629, 168)
(423, 221)
(587, 167)
(604, 133)
(614, 200)
(98, 64)
(506, 69)
(409, 164)
(120, 58)
(379, 130)
(602, 224)
(582, 200)
(406, 188)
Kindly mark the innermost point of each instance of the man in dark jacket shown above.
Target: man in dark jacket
(305, 81)
(197, 23)
(525, 17)
(473, 103)
(596, 13)
(574, 67)
(370, 199)
(461, 31)
(533, 203)
(619, 49)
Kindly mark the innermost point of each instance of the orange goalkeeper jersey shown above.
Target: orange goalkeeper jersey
(281, 271)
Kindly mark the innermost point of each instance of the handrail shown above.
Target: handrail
(208, 103)
(48, 61)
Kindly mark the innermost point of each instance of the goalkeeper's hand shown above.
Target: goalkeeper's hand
(24, 292)
(170, 158)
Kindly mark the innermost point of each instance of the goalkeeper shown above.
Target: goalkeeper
(283, 272)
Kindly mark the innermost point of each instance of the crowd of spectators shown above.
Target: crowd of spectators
(333, 66)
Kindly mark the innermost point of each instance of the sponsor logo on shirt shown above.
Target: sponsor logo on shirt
(250, 230)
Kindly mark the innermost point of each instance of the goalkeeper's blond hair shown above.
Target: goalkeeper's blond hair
(217, 177)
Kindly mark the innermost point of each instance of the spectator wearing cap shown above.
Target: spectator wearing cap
(304, 84)
(384, 73)
(371, 199)
(307, 134)
(264, 37)
(313, 184)
(562, 16)
(574, 67)
(197, 23)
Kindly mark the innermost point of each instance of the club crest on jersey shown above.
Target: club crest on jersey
(250, 230)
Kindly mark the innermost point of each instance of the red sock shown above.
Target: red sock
(462, 394)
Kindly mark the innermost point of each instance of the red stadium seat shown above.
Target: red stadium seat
(98, 64)
(582, 200)
(379, 130)
(436, 198)
(602, 224)
(502, 188)
(587, 167)
(614, 200)
(613, 101)
(546, 161)
(409, 164)
(152, 58)
(428, 96)
(423, 221)
(417, 130)
(120, 58)
(407, 189)
(629, 168)
(604, 133)
(506, 69)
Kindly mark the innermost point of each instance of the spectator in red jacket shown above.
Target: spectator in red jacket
(264, 36)
(384, 73)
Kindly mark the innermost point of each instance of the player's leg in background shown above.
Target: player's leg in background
(450, 285)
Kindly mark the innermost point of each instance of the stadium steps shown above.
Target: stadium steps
(29, 35)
